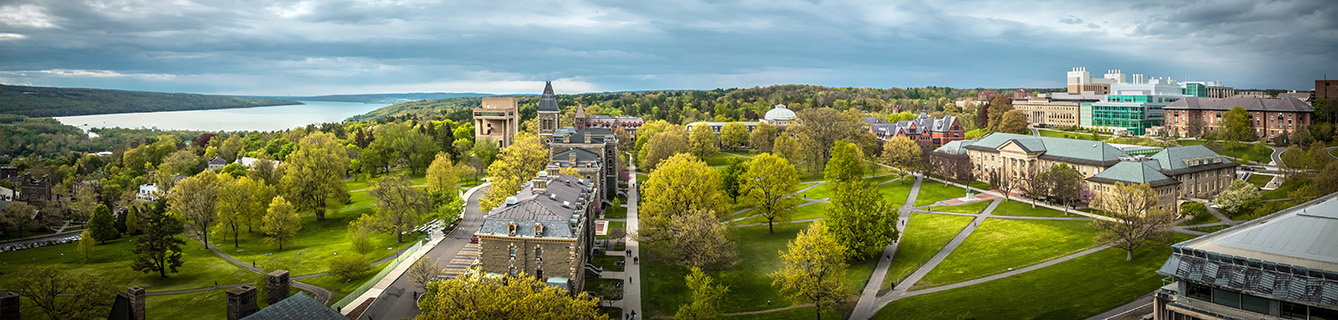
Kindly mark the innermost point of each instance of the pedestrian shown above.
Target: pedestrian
(626, 316)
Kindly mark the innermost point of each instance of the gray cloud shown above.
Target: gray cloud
(348, 46)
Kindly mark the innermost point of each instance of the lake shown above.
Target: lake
(242, 119)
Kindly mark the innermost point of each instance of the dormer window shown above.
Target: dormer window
(538, 230)
(511, 229)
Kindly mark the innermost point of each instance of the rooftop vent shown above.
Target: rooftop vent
(566, 204)
(552, 196)
(510, 201)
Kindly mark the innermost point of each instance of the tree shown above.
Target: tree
(813, 269)
(772, 181)
(663, 145)
(443, 176)
(475, 296)
(846, 164)
(487, 150)
(730, 178)
(824, 126)
(85, 201)
(702, 141)
(516, 165)
(233, 206)
(682, 183)
(706, 297)
(1014, 121)
(314, 175)
(180, 163)
(903, 153)
(348, 266)
(1236, 196)
(17, 217)
(1236, 125)
(762, 137)
(266, 170)
(1319, 155)
(231, 148)
(734, 135)
(159, 248)
(399, 206)
(423, 270)
(132, 220)
(63, 295)
(1064, 184)
(86, 243)
(194, 200)
(1137, 218)
(360, 238)
(647, 131)
(281, 222)
(860, 220)
(998, 106)
(1194, 128)
(1301, 137)
(103, 225)
(695, 238)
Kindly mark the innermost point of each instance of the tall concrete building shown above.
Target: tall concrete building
(1282, 266)
(497, 120)
(1080, 81)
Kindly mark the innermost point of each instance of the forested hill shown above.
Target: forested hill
(680, 106)
(388, 97)
(58, 102)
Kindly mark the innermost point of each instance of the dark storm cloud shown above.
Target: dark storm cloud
(319, 47)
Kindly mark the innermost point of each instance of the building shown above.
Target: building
(147, 192)
(1134, 107)
(601, 142)
(1326, 89)
(629, 124)
(778, 116)
(1269, 117)
(34, 191)
(548, 112)
(984, 96)
(498, 120)
(1304, 96)
(1054, 111)
(545, 231)
(1208, 89)
(6, 194)
(1174, 173)
(1253, 93)
(923, 130)
(1282, 266)
(217, 163)
(1021, 93)
(250, 162)
(1079, 81)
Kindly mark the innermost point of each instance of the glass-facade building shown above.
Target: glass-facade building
(1135, 106)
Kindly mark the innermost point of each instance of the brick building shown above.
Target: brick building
(1326, 89)
(1269, 117)
(545, 231)
(923, 130)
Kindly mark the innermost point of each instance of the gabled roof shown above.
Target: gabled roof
(1177, 160)
(1056, 149)
(581, 155)
(552, 209)
(296, 307)
(1133, 172)
(955, 147)
(1249, 103)
(218, 161)
(548, 101)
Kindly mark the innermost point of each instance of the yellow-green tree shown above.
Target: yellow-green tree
(646, 132)
(281, 222)
(733, 135)
(846, 164)
(399, 206)
(706, 297)
(671, 141)
(477, 296)
(762, 137)
(860, 219)
(1137, 217)
(314, 174)
(86, 243)
(903, 153)
(813, 269)
(517, 164)
(234, 206)
(180, 163)
(1236, 125)
(443, 176)
(702, 141)
(772, 181)
(1014, 121)
(681, 183)
(194, 200)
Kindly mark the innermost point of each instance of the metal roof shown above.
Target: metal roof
(1249, 103)
(297, 306)
(1134, 172)
(1057, 149)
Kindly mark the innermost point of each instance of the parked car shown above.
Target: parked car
(473, 239)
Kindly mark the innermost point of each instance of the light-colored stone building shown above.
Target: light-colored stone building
(497, 120)
(544, 231)
(1048, 113)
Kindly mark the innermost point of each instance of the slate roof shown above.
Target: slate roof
(548, 101)
(920, 125)
(955, 147)
(580, 111)
(218, 161)
(553, 209)
(597, 135)
(1134, 172)
(1178, 160)
(1056, 149)
(1250, 104)
(296, 307)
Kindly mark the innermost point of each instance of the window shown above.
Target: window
(1198, 291)
(538, 253)
(513, 252)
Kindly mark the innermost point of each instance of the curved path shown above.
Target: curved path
(320, 294)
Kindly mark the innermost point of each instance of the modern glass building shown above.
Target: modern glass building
(1134, 106)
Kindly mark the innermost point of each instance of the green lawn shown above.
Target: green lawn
(110, 263)
(749, 286)
(212, 304)
(1334, 152)
(1106, 281)
(933, 191)
(1023, 209)
(796, 313)
(926, 235)
(1240, 150)
(896, 192)
(607, 262)
(825, 190)
(1259, 180)
(614, 224)
(1000, 244)
(1189, 142)
(615, 212)
(1285, 189)
(812, 211)
(720, 159)
(1203, 218)
(1071, 135)
(317, 242)
(642, 178)
(974, 207)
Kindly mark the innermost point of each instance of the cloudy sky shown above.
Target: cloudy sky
(380, 46)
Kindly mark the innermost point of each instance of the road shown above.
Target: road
(398, 301)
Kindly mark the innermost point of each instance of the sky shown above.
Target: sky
(288, 47)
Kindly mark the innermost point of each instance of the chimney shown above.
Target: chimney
(571, 158)
(540, 183)
(553, 170)
(137, 295)
(9, 305)
(241, 302)
(587, 138)
(278, 285)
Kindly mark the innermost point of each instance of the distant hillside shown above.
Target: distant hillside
(59, 102)
(388, 97)
(421, 107)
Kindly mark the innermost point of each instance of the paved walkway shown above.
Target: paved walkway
(864, 308)
(317, 292)
(631, 300)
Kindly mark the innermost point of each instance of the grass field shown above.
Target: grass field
(825, 190)
(812, 211)
(926, 235)
(1241, 150)
(720, 159)
(617, 212)
(1021, 208)
(933, 191)
(974, 207)
(1202, 218)
(1259, 180)
(110, 263)
(1000, 244)
(1106, 281)
(749, 286)
(614, 224)
(1286, 188)
(896, 192)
